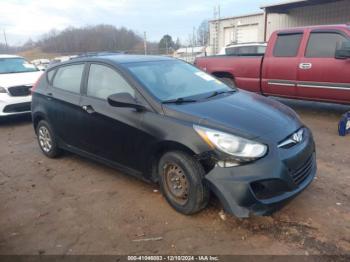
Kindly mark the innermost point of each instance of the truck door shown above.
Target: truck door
(280, 65)
(321, 76)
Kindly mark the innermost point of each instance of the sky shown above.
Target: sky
(24, 19)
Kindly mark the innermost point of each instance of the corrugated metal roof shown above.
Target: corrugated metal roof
(283, 3)
(282, 6)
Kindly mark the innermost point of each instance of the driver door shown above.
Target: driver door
(320, 75)
(111, 133)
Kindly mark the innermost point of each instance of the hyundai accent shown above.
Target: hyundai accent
(167, 122)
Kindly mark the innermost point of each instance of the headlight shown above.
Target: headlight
(2, 90)
(236, 146)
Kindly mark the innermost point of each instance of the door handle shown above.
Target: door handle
(305, 66)
(89, 109)
(49, 96)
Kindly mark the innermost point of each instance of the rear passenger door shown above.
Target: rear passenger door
(110, 132)
(64, 96)
(321, 76)
(280, 65)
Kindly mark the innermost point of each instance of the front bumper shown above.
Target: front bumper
(14, 105)
(264, 186)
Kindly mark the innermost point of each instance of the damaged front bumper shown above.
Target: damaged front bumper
(265, 185)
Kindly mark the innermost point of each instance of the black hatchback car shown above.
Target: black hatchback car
(168, 122)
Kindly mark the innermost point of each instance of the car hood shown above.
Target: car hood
(241, 113)
(17, 79)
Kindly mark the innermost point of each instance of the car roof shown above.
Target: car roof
(122, 59)
(10, 56)
(247, 44)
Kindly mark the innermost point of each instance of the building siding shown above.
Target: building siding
(337, 12)
(321, 14)
(229, 28)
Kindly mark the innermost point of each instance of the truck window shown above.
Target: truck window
(287, 45)
(324, 44)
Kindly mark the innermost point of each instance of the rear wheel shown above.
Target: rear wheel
(47, 140)
(181, 180)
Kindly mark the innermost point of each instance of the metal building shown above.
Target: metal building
(259, 26)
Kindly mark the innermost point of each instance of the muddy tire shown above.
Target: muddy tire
(47, 140)
(181, 182)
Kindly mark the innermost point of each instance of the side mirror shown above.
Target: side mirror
(124, 100)
(344, 51)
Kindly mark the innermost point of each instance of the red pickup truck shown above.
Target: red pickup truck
(310, 63)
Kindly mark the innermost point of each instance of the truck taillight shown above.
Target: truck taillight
(36, 84)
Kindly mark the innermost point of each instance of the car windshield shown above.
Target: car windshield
(15, 65)
(171, 80)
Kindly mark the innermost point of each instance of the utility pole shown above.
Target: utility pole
(166, 45)
(7, 47)
(145, 42)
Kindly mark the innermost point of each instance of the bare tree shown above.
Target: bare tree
(90, 39)
(203, 33)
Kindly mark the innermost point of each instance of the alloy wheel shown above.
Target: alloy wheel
(45, 139)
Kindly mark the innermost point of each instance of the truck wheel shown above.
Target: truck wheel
(181, 182)
(228, 81)
(47, 140)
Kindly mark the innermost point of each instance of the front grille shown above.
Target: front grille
(19, 90)
(301, 174)
(17, 108)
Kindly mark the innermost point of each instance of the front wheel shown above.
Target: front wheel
(181, 181)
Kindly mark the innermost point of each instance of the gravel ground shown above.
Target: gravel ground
(72, 205)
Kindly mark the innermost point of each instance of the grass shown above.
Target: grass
(37, 53)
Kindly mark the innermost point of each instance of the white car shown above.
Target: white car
(17, 76)
(247, 49)
(42, 64)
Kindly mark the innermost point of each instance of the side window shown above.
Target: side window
(68, 78)
(324, 44)
(104, 81)
(50, 75)
(231, 51)
(246, 50)
(287, 45)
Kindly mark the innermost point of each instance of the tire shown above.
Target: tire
(47, 140)
(193, 195)
(228, 81)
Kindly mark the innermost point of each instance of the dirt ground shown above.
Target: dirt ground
(72, 205)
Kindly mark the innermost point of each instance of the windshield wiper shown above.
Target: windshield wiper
(216, 93)
(179, 101)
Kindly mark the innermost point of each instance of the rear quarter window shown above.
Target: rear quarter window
(50, 75)
(287, 45)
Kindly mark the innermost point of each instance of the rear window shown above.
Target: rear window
(68, 78)
(324, 44)
(287, 45)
